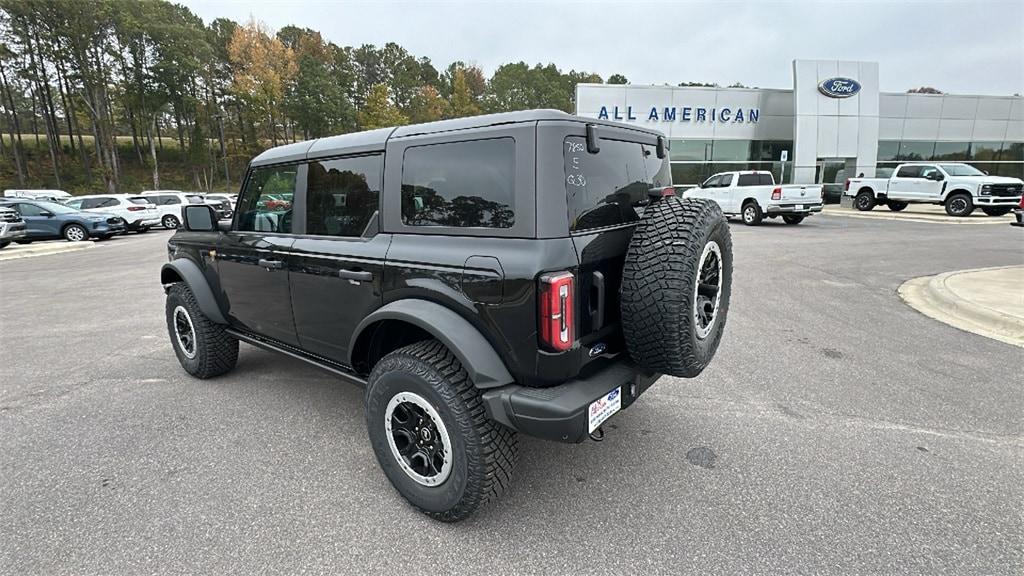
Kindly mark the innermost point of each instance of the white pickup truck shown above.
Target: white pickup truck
(959, 187)
(754, 195)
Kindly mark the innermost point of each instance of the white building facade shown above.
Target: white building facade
(834, 123)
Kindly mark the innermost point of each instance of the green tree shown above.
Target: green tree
(617, 79)
(379, 111)
(461, 102)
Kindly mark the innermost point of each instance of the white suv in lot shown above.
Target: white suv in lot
(138, 212)
(169, 204)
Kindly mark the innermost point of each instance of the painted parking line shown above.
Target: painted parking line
(15, 251)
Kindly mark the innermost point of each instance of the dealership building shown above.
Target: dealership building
(832, 124)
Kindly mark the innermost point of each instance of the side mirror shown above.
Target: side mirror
(662, 147)
(199, 218)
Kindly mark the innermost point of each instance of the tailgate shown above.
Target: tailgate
(799, 194)
(602, 256)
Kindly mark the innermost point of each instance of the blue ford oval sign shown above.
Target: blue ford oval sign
(839, 87)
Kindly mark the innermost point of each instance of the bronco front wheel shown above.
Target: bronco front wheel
(203, 347)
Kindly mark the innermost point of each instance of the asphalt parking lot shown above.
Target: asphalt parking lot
(838, 430)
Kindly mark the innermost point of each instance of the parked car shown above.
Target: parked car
(754, 195)
(960, 188)
(221, 205)
(138, 212)
(46, 220)
(169, 204)
(50, 195)
(12, 227)
(232, 199)
(469, 298)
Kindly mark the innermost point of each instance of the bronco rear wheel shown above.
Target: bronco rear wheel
(676, 284)
(431, 434)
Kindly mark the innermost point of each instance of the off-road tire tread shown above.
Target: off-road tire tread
(660, 258)
(220, 349)
(490, 469)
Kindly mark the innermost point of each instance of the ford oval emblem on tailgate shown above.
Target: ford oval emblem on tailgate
(839, 87)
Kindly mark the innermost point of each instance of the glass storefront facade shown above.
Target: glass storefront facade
(996, 158)
(693, 161)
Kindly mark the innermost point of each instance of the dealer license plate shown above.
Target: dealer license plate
(603, 408)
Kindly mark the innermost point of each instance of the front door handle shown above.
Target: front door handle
(360, 275)
(271, 264)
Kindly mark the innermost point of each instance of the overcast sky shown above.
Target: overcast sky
(972, 47)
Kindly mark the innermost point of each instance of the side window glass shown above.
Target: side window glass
(909, 172)
(462, 184)
(342, 195)
(76, 204)
(766, 180)
(169, 200)
(107, 202)
(266, 203)
(726, 181)
(90, 203)
(29, 209)
(711, 182)
(929, 172)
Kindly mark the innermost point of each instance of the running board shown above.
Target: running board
(318, 361)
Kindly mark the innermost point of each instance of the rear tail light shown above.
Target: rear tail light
(136, 208)
(556, 306)
(846, 187)
(777, 193)
(668, 191)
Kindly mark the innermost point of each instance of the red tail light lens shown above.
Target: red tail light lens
(136, 208)
(777, 193)
(846, 187)
(668, 191)
(556, 306)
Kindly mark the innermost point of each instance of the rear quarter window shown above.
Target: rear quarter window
(749, 180)
(611, 187)
(460, 184)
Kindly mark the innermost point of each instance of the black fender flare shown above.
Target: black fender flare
(478, 357)
(187, 271)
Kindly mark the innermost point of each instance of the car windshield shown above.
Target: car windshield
(961, 170)
(56, 208)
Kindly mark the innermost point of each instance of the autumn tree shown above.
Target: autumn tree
(427, 105)
(379, 111)
(263, 66)
(461, 102)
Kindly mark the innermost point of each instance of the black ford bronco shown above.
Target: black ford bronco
(525, 272)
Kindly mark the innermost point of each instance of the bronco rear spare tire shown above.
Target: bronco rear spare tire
(676, 284)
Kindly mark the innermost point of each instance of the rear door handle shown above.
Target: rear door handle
(360, 275)
(271, 264)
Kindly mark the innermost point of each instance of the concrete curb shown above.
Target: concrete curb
(917, 217)
(12, 253)
(933, 297)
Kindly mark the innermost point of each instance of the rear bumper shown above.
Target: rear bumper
(807, 209)
(561, 413)
(147, 222)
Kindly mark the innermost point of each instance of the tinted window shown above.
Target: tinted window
(261, 207)
(341, 196)
(766, 179)
(909, 172)
(607, 188)
(930, 172)
(107, 202)
(29, 209)
(168, 200)
(76, 204)
(749, 180)
(465, 184)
